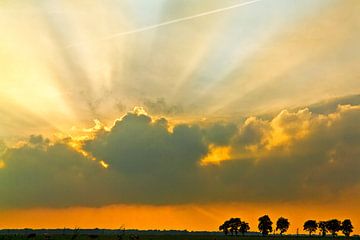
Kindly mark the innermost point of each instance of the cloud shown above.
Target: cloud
(151, 160)
(43, 174)
(330, 105)
(220, 133)
(295, 156)
(159, 106)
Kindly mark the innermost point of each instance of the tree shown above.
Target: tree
(282, 225)
(323, 229)
(333, 226)
(244, 227)
(234, 224)
(347, 227)
(225, 227)
(310, 226)
(265, 225)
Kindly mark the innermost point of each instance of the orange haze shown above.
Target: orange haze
(190, 217)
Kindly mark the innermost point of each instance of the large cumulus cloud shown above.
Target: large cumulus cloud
(287, 158)
(39, 174)
(295, 156)
(157, 165)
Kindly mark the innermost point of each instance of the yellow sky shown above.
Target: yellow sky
(212, 59)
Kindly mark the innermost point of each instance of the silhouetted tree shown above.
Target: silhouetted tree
(234, 224)
(333, 226)
(225, 227)
(322, 227)
(282, 225)
(244, 228)
(347, 227)
(265, 225)
(310, 226)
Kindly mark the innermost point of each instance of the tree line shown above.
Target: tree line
(234, 226)
(332, 226)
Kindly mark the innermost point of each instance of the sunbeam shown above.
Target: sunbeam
(166, 23)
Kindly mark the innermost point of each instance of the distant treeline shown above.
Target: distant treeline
(97, 231)
(234, 226)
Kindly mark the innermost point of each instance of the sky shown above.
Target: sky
(171, 114)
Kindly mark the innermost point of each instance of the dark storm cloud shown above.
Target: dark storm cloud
(294, 156)
(220, 133)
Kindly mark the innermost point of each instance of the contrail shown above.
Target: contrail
(183, 19)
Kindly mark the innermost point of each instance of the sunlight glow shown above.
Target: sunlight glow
(104, 164)
(2, 164)
(190, 217)
(77, 145)
(209, 64)
(216, 155)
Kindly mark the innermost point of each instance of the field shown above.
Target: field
(164, 237)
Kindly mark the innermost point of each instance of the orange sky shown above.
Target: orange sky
(190, 217)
